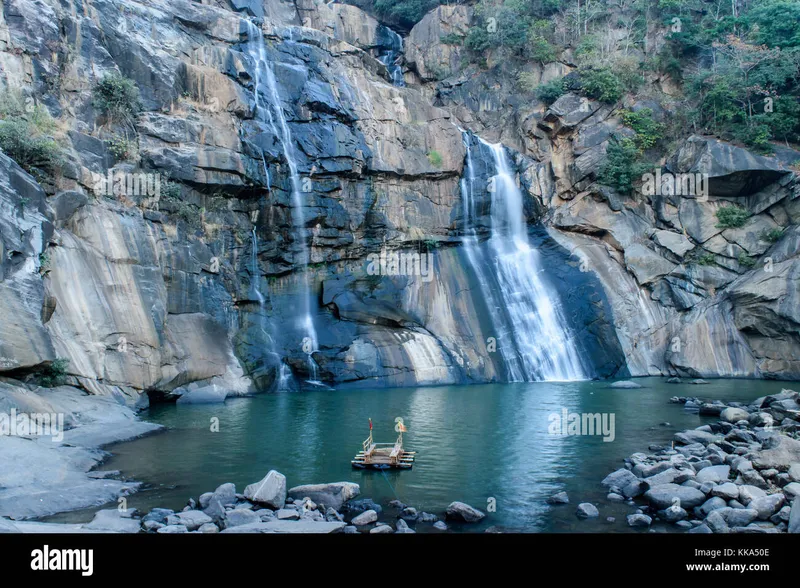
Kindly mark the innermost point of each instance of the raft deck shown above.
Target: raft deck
(383, 456)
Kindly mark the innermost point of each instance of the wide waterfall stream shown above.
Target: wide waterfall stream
(534, 337)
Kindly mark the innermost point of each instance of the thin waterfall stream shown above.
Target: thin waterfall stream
(271, 112)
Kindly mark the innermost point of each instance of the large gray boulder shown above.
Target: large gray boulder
(365, 518)
(778, 452)
(332, 495)
(714, 474)
(662, 496)
(619, 478)
(191, 519)
(270, 491)
(587, 510)
(734, 415)
(241, 516)
(766, 506)
(464, 512)
(732, 171)
(112, 520)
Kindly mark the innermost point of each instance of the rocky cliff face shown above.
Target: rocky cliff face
(202, 282)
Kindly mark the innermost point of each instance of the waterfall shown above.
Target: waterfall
(391, 45)
(525, 312)
(256, 274)
(272, 113)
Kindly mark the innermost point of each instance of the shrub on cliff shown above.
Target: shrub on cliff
(26, 131)
(54, 374)
(731, 217)
(623, 165)
(601, 84)
(551, 91)
(117, 97)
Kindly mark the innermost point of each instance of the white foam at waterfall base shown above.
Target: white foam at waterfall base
(272, 113)
(531, 330)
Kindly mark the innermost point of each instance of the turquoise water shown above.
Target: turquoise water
(484, 445)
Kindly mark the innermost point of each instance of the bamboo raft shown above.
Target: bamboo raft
(384, 456)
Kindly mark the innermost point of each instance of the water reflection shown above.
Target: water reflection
(474, 443)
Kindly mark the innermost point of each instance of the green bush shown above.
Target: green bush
(435, 158)
(623, 165)
(20, 141)
(551, 91)
(731, 217)
(118, 98)
(26, 132)
(601, 84)
(706, 258)
(54, 374)
(772, 236)
(122, 148)
(745, 260)
(648, 131)
(451, 39)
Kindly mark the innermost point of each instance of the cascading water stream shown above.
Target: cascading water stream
(525, 310)
(392, 52)
(272, 113)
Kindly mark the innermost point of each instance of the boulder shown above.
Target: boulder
(779, 452)
(270, 491)
(693, 436)
(639, 520)
(766, 506)
(587, 510)
(158, 515)
(662, 496)
(726, 491)
(715, 474)
(168, 529)
(747, 493)
(288, 514)
(241, 516)
(332, 495)
(463, 512)
(558, 498)
(619, 478)
(626, 385)
(190, 519)
(734, 415)
(365, 518)
(112, 520)
(712, 504)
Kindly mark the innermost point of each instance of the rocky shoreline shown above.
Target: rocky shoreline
(740, 474)
(267, 506)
